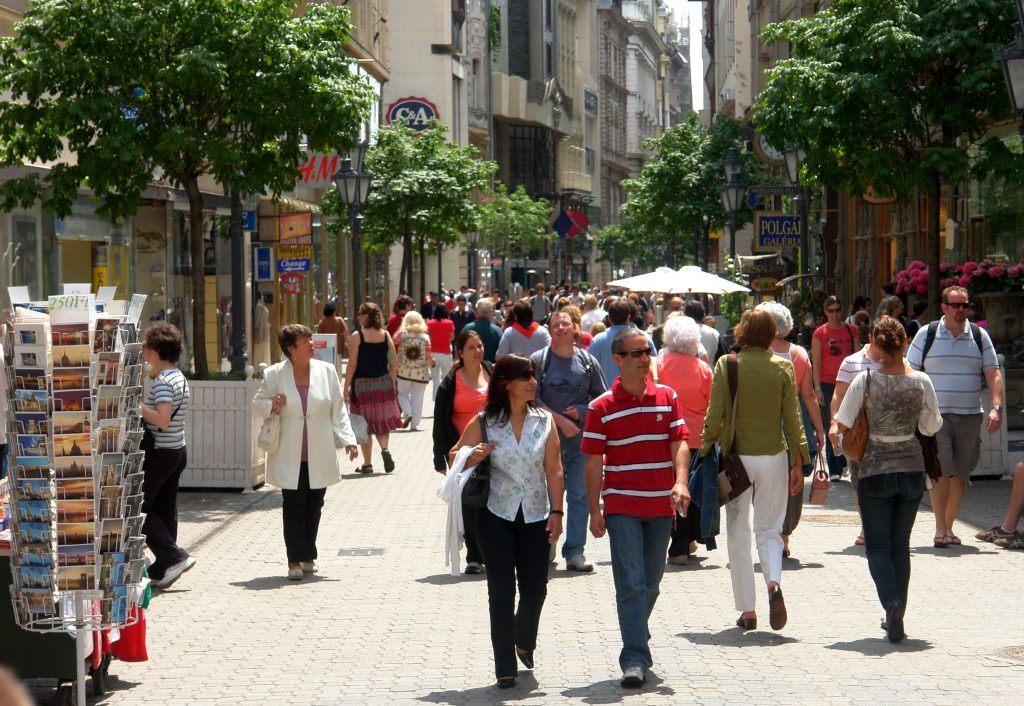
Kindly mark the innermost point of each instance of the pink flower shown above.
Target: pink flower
(922, 289)
(1015, 270)
(970, 267)
(964, 281)
(997, 271)
(916, 265)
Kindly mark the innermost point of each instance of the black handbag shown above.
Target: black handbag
(732, 476)
(478, 486)
(148, 442)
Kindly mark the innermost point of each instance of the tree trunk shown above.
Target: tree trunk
(407, 246)
(195, 224)
(934, 247)
(423, 268)
(406, 266)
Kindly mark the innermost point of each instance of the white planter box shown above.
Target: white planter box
(219, 431)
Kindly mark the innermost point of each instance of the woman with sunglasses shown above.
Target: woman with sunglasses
(830, 344)
(524, 511)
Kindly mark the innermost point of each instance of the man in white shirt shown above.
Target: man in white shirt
(709, 337)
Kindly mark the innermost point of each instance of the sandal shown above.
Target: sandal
(389, 463)
(952, 539)
(365, 468)
(777, 615)
(746, 623)
(939, 541)
(860, 540)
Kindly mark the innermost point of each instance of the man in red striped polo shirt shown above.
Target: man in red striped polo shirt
(637, 461)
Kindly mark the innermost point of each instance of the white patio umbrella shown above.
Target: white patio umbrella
(661, 280)
(688, 279)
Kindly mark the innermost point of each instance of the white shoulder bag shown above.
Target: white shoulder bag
(270, 433)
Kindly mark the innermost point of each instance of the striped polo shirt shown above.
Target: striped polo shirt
(169, 387)
(635, 435)
(955, 366)
(857, 363)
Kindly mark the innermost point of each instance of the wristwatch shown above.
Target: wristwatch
(998, 408)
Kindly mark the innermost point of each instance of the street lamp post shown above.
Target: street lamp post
(474, 238)
(707, 240)
(795, 155)
(587, 251)
(353, 188)
(732, 193)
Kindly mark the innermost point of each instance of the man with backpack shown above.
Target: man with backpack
(958, 356)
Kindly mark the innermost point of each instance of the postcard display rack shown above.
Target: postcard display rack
(73, 429)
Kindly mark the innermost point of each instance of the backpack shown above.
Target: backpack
(933, 328)
(545, 362)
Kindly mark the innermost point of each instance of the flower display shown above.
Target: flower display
(976, 277)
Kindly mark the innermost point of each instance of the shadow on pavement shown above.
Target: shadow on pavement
(735, 637)
(448, 579)
(270, 583)
(793, 564)
(951, 551)
(491, 694)
(609, 692)
(879, 646)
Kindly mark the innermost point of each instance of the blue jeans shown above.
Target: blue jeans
(638, 547)
(835, 463)
(888, 508)
(577, 508)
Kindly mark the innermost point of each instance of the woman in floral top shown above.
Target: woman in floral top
(412, 349)
(900, 402)
(524, 511)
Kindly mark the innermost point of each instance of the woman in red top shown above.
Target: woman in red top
(681, 369)
(832, 341)
(441, 330)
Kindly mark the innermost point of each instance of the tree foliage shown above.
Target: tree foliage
(180, 88)
(893, 95)
(424, 190)
(514, 224)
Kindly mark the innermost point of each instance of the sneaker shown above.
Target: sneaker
(295, 573)
(680, 560)
(835, 477)
(578, 563)
(174, 573)
(632, 678)
(310, 567)
(474, 568)
(993, 534)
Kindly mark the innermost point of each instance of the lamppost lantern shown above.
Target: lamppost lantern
(358, 154)
(732, 196)
(733, 165)
(353, 189)
(1011, 60)
(795, 156)
(1020, 9)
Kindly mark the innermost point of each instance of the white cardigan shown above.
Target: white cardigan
(326, 415)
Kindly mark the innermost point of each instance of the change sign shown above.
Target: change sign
(294, 258)
(776, 231)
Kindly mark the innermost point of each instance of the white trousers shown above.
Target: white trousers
(443, 363)
(410, 399)
(768, 496)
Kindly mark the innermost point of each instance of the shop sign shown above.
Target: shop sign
(288, 252)
(295, 228)
(775, 231)
(249, 221)
(325, 347)
(293, 264)
(264, 264)
(317, 172)
(291, 282)
(417, 112)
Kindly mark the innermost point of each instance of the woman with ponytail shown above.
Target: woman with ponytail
(900, 402)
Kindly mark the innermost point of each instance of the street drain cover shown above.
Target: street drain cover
(832, 519)
(1016, 653)
(362, 551)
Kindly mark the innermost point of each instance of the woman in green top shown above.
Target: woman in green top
(766, 390)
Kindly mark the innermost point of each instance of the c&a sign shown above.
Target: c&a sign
(417, 112)
(776, 231)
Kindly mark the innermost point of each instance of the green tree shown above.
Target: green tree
(424, 188)
(514, 224)
(184, 88)
(679, 185)
(894, 95)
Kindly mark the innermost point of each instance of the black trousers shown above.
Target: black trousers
(301, 509)
(162, 469)
(517, 552)
(472, 535)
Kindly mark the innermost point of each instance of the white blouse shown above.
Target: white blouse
(517, 468)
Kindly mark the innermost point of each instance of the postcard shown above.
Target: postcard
(72, 401)
(35, 554)
(71, 356)
(71, 423)
(34, 511)
(33, 533)
(111, 468)
(72, 445)
(30, 357)
(110, 501)
(71, 379)
(30, 335)
(32, 445)
(75, 489)
(29, 378)
(31, 471)
(39, 601)
(76, 555)
(111, 534)
(76, 533)
(108, 437)
(72, 466)
(133, 525)
(105, 337)
(35, 577)
(133, 505)
(118, 603)
(72, 309)
(76, 511)
(133, 548)
(31, 423)
(69, 334)
(76, 578)
(32, 462)
(108, 402)
(106, 371)
(31, 401)
(35, 488)
(114, 570)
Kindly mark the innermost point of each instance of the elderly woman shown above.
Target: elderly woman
(163, 414)
(681, 369)
(307, 395)
(370, 379)
(809, 411)
(766, 390)
(524, 511)
(412, 346)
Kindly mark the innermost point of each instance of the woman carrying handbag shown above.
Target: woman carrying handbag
(306, 395)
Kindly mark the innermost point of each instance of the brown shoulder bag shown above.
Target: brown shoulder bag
(855, 440)
(732, 476)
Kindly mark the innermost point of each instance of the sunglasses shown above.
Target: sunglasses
(833, 311)
(525, 375)
(636, 353)
(957, 305)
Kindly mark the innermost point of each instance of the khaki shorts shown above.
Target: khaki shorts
(959, 442)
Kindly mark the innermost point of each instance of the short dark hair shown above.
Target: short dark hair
(695, 310)
(522, 310)
(920, 306)
(440, 313)
(330, 309)
(619, 342)
(289, 336)
(508, 368)
(374, 319)
(756, 328)
(165, 340)
(402, 302)
(619, 311)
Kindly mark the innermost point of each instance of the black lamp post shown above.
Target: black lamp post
(353, 188)
(587, 249)
(707, 240)
(795, 155)
(732, 193)
(474, 238)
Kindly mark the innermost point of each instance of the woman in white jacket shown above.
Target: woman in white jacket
(314, 422)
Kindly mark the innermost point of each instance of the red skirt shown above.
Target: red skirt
(377, 401)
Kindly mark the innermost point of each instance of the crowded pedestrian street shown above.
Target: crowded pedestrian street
(384, 622)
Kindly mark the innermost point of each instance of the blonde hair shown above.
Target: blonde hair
(413, 322)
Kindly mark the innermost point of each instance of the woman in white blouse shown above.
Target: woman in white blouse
(314, 420)
(524, 511)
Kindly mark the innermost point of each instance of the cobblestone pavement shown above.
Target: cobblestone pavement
(385, 622)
